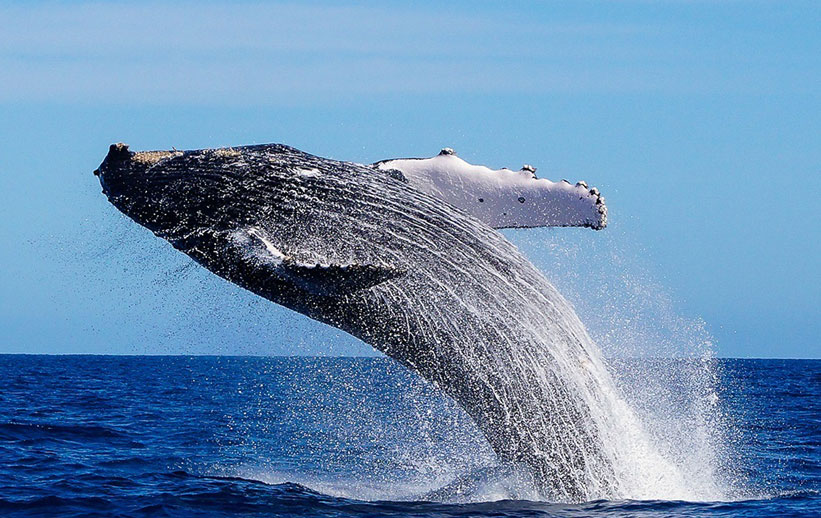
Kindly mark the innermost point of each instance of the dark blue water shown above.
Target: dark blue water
(219, 436)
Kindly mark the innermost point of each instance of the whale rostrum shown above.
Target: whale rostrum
(425, 281)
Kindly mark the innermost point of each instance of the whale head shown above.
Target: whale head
(265, 217)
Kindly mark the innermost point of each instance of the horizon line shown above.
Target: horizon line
(381, 356)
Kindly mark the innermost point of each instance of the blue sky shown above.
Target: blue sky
(698, 120)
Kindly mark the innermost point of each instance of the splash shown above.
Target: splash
(662, 363)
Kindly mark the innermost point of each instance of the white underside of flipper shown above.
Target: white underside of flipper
(503, 198)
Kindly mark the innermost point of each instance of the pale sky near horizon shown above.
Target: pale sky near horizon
(699, 121)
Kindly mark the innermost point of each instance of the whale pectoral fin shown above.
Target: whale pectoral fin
(326, 279)
(502, 198)
(337, 279)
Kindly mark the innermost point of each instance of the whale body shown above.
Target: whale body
(359, 248)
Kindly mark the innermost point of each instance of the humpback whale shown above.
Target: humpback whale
(430, 284)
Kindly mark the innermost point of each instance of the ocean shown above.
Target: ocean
(296, 436)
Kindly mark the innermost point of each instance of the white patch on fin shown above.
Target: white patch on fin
(276, 255)
(310, 173)
(320, 278)
(503, 198)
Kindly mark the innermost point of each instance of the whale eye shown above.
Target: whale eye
(481, 200)
(521, 199)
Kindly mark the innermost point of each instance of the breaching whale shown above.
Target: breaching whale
(360, 248)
